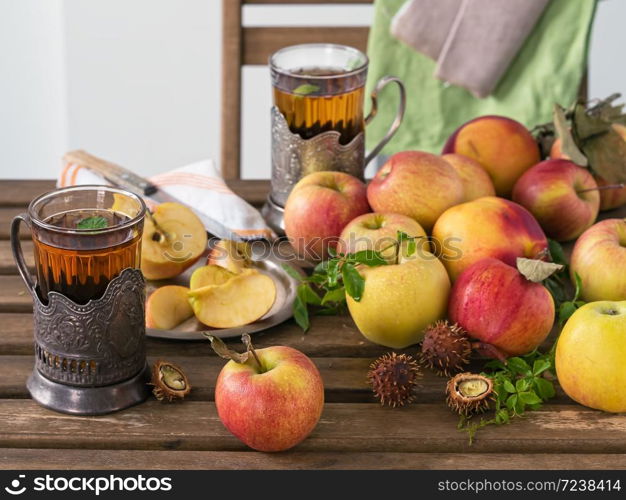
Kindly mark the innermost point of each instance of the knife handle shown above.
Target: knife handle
(115, 174)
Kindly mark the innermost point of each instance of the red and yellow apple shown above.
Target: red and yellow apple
(416, 184)
(609, 198)
(476, 180)
(599, 258)
(497, 305)
(486, 227)
(400, 300)
(591, 356)
(173, 239)
(504, 147)
(561, 195)
(271, 407)
(318, 208)
(379, 232)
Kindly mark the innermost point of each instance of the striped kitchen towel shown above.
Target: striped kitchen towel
(198, 185)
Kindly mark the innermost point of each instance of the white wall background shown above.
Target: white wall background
(138, 81)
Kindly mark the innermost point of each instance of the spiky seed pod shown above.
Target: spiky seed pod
(446, 348)
(393, 378)
(169, 381)
(469, 393)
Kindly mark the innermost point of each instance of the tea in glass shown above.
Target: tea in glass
(83, 238)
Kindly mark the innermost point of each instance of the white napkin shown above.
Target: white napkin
(198, 185)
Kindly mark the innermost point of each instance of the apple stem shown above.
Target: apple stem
(602, 188)
(245, 338)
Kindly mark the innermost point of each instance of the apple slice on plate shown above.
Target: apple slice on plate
(241, 300)
(168, 307)
(209, 275)
(232, 255)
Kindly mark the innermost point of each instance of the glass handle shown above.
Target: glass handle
(382, 83)
(18, 255)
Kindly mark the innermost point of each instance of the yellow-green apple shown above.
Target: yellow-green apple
(167, 307)
(416, 184)
(319, 207)
(272, 406)
(400, 300)
(504, 147)
(562, 196)
(611, 196)
(591, 356)
(379, 232)
(497, 305)
(173, 239)
(486, 227)
(476, 180)
(599, 258)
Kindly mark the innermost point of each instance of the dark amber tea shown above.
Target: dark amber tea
(314, 105)
(83, 271)
(83, 237)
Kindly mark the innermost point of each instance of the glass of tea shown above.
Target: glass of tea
(319, 87)
(84, 236)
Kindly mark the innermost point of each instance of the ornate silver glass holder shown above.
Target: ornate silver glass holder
(91, 359)
(294, 157)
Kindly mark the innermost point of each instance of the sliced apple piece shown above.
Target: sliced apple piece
(209, 275)
(173, 239)
(167, 307)
(241, 300)
(232, 255)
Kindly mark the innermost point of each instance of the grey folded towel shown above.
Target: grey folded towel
(479, 43)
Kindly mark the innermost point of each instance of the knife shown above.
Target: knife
(124, 178)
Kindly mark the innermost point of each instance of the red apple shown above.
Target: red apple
(272, 408)
(486, 227)
(497, 305)
(379, 232)
(416, 184)
(599, 258)
(504, 147)
(562, 196)
(319, 207)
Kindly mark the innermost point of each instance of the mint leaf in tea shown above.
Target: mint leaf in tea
(97, 222)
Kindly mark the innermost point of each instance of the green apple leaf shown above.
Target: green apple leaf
(301, 313)
(368, 257)
(556, 252)
(336, 295)
(568, 144)
(537, 270)
(353, 281)
(292, 272)
(544, 388)
(308, 295)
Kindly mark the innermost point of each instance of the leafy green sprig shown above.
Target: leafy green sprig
(332, 279)
(522, 383)
(557, 285)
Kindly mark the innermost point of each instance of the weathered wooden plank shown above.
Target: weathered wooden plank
(7, 264)
(343, 427)
(13, 295)
(6, 216)
(41, 459)
(344, 378)
(329, 336)
(259, 43)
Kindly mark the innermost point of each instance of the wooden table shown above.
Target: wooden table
(354, 431)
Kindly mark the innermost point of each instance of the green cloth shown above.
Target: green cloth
(548, 69)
